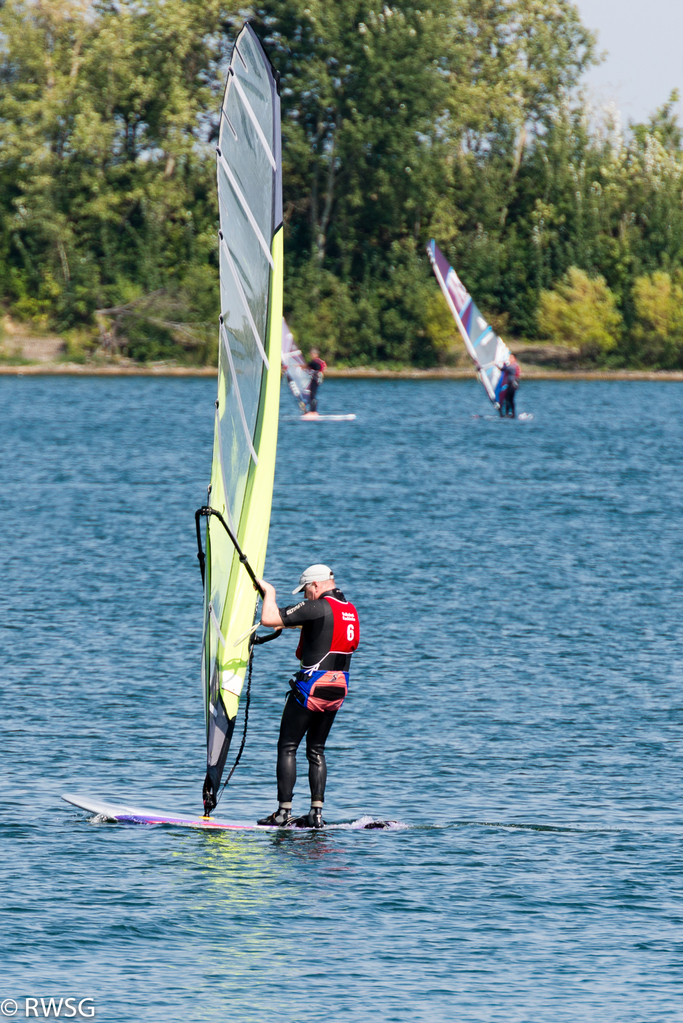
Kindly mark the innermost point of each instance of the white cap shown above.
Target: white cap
(314, 574)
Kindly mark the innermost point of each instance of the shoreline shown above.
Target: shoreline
(351, 373)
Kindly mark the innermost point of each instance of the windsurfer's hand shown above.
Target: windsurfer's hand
(267, 588)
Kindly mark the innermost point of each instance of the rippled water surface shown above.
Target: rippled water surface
(516, 701)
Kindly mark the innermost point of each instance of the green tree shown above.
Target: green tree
(658, 332)
(107, 174)
(581, 312)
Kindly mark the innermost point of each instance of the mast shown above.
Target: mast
(249, 181)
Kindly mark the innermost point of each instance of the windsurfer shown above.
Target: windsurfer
(317, 367)
(329, 635)
(511, 374)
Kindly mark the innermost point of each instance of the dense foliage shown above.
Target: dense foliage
(106, 175)
(460, 120)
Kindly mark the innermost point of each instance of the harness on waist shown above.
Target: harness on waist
(320, 690)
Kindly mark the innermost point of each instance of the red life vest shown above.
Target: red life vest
(346, 629)
(346, 634)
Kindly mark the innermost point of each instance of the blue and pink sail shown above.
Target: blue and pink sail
(488, 352)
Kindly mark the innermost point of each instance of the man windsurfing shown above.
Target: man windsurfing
(329, 635)
(317, 367)
(509, 384)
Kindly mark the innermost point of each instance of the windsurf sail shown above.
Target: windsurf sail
(294, 367)
(246, 418)
(488, 352)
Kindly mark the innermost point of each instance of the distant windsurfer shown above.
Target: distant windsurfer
(510, 384)
(329, 635)
(317, 367)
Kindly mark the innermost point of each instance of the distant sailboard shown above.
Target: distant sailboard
(523, 417)
(488, 352)
(118, 813)
(327, 419)
(298, 377)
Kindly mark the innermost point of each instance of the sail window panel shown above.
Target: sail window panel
(249, 162)
(487, 349)
(256, 83)
(475, 323)
(482, 336)
(246, 357)
(236, 456)
(225, 487)
(253, 205)
(486, 346)
(241, 238)
(220, 551)
(234, 450)
(220, 498)
(248, 257)
(247, 381)
(248, 431)
(238, 276)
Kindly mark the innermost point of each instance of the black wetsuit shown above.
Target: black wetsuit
(512, 383)
(317, 367)
(317, 621)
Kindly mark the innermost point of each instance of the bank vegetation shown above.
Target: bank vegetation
(461, 120)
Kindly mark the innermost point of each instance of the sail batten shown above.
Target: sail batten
(488, 352)
(230, 124)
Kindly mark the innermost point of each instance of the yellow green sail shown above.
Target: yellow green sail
(246, 420)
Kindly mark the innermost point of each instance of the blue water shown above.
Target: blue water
(516, 701)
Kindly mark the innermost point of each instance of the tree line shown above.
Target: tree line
(461, 120)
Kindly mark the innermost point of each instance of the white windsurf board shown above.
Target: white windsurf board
(523, 417)
(122, 814)
(327, 419)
